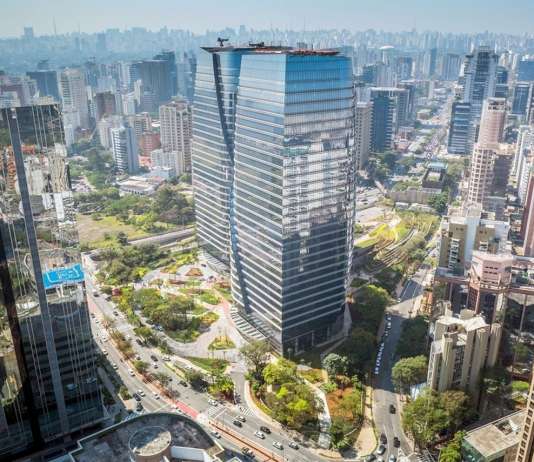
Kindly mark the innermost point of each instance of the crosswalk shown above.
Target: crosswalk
(215, 411)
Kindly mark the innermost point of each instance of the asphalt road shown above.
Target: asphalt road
(193, 403)
(384, 393)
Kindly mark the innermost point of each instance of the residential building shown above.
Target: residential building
(273, 176)
(525, 450)
(176, 129)
(170, 159)
(48, 373)
(124, 148)
(451, 66)
(73, 91)
(523, 160)
(149, 141)
(104, 127)
(362, 133)
(461, 348)
(495, 441)
(141, 123)
(492, 122)
(465, 230)
(152, 437)
(525, 70)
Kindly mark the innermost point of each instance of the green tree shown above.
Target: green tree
(280, 372)
(496, 386)
(335, 364)
(359, 348)
(439, 202)
(521, 352)
(458, 407)
(163, 378)
(195, 378)
(140, 366)
(222, 385)
(452, 452)
(412, 341)
(256, 355)
(408, 372)
(122, 238)
(423, 418)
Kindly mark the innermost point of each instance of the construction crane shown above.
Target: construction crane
(221, 41)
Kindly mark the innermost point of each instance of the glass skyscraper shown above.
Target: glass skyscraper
(274, 177)
(48, 379)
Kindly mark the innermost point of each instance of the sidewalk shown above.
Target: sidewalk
(366, 442)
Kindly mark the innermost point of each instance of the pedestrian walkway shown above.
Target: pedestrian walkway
(366, 442)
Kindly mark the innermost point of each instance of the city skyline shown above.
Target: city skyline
(478, 16)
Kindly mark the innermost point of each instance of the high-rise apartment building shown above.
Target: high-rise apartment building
(105, 104)
(74, 94)
(176, 130)
(362, 133)
(384, 122)
(461, 348)
(124, 147)
(525, 450)
(492, 122)
(273, 174)
(48, 375)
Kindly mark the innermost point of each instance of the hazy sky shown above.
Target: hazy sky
(516, 16)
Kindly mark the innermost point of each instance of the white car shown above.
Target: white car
(377, 370)
(140, 392)
(260, 435)
(114, 366)
(215, 434)
(213, 402)
(156, 396)
(278, 445)
(131, 372)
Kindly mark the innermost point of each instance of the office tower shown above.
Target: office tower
(92, 72)
(74, 94)
(461, 348)
(105, 104)
(525, 451)
(124, 148)
(46, 83)
(521, 98)
(383, 122)
(362, 133)
(48, 376)
(170, 58)
(477, 82)
(156, 79)
(501, 82)
(466, 230)
(432, 61)
(451, 66)
(460, 139)
(404, 68)
(527, 222)
(186, 69)
(274, 185)
(176, 129)
(530, 107)
(402, 102)
(525, 70)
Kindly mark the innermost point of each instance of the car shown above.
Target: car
(137, 358)
(92, 315)
(155, 365)
(115, 313)
(370, 458)
(95, 293)
(156, 396)
(131, 372)
(153, 357)
(213, 402)
(114, 366)
(139, 407)
(396, 442)
(392, 458)
(139, 342)
(237, 423)
(380, 459)
(293, 445)
(241, 418)
(259, 434)
(278, 445)
(389, 325)
(141, 393)
(136, 397)
(265, 430)
(392, 409)
(166, 358)
(383, 439)
(246, 451)
(183, 383)
(381, 450)
(215, 434)
(377, 371)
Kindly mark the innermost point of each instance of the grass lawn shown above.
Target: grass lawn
(213, 366)
(92, 232)
(366, 243)
(184, 336)
(221, 343)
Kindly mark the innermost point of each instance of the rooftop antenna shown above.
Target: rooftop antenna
(221, 41)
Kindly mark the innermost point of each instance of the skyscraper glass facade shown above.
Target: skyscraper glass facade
(48, 378)
(278, 180)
